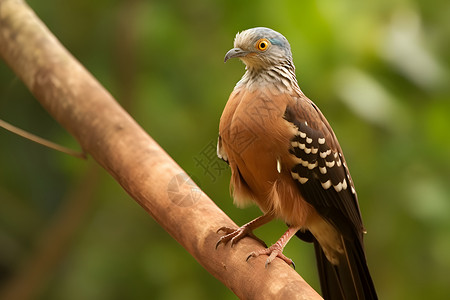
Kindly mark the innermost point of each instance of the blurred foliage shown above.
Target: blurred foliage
(379, 70)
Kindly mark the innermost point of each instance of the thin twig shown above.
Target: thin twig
(41, 141)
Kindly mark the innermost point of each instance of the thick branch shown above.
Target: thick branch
(105, 131)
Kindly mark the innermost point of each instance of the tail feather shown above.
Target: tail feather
(348, 280)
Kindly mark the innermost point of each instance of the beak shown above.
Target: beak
(235, 52)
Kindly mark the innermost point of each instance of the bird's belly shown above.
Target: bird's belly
(261, 171)
(256, 139)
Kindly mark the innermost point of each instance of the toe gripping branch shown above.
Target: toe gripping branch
(276, 250)
(235, 235)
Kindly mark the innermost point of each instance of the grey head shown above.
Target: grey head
(261, 48)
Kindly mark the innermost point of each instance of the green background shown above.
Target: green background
(379, 71)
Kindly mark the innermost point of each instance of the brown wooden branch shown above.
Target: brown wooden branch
(105, 131)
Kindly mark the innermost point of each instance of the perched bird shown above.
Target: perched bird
(285, 157)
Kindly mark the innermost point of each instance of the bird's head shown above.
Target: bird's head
(260, 48)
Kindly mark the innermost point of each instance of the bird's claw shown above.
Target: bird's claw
(226, 229)
(230, 234)
(273, 252)
(235, 235)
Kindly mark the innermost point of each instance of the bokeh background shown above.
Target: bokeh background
(379, 70)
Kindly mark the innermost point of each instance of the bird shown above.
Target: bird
(285, 158)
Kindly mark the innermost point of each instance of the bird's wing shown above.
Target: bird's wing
(221, 151)
(320, 171)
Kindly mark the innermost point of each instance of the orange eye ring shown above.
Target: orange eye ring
(262, 44)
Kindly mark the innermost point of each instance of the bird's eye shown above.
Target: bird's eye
(262, 44)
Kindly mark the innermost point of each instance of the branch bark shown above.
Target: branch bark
(105, 131)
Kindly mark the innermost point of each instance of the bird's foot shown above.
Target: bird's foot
(276, 250)
(235, 235)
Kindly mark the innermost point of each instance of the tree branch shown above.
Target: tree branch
(105, 131)
(39, 140)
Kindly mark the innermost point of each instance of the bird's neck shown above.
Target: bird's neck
(281, 76)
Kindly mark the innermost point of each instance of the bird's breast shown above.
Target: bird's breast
(256, 138)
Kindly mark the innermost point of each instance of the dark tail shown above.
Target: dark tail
(350, 279)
